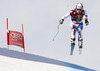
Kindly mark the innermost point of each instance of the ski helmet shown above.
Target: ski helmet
(79, 6)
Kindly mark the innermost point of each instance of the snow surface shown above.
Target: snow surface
(18, 61)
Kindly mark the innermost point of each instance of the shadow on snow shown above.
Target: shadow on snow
(32, 57)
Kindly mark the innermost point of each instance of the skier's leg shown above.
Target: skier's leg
(73, 32)
(80, 42)
(73, 36)
(80, 39)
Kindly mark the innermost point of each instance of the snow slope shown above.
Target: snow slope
(18, 61)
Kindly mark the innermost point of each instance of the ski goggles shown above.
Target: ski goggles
(79, 10)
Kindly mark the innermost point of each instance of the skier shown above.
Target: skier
(76, 25)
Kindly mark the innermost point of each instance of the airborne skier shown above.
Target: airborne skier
(76, 25)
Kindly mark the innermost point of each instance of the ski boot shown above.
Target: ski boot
(80, 44)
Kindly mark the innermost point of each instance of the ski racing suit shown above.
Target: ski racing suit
(76, 25)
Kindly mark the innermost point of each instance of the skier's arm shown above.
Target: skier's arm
(86, 18)
(64, 17)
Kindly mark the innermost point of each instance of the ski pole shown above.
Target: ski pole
(69, 7)
(58, 27)
(57, 32)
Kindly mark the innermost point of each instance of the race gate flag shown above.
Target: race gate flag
(15, 38)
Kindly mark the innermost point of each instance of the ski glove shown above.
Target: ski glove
(86, 22)
(61, 21)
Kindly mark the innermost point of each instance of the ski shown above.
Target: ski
(80, 51)
(72, 48)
